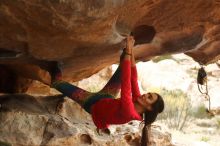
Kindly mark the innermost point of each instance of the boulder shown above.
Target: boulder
(57, 120)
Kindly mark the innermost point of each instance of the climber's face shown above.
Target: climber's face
(146, 100)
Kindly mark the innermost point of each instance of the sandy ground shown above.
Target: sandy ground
(195, 139)
(195, 135)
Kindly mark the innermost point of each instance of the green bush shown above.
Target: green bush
(200, 112)
(163, 57)
(218, 123)
(177, 108)
(205, 139)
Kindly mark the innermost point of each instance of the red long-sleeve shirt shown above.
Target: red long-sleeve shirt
(119, 111)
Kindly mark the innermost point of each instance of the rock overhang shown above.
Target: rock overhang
(88, 36)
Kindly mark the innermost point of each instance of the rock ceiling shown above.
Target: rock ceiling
(86, 36)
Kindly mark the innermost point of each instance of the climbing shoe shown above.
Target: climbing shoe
(55, 72)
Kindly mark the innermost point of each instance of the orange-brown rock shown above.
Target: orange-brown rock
(86, 36)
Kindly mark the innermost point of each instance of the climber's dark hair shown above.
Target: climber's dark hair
(150, 117)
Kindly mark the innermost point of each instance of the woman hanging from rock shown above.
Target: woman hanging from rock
(103, 106)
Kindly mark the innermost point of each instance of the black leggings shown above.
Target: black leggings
(85, 98)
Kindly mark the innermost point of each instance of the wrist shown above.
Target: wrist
(128, 50)
(126, 53)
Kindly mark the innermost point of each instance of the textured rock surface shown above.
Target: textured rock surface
(87, 36)
(28, 120)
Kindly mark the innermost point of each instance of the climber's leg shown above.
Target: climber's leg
(114, 84)
(77, 94)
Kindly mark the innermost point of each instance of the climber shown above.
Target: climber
(104, 108)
